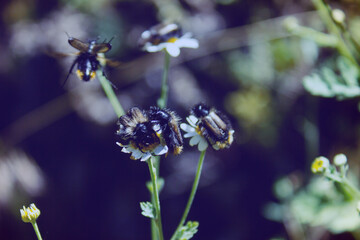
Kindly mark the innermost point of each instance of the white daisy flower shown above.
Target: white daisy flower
(168, 37)
(143, 156)
(192, 132)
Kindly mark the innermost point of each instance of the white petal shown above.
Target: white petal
(146, 156)
(187, 42)
(153, 48)
(195, 140)
(192, 120)
(187, 127)
(125, 150)
(216, 147)
(190, 134)
(145, 34)
(172, 49)
(160, 150)
(137, 154)
(119, 144)
(202, 145)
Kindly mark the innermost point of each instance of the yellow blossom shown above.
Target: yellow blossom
(320, 165)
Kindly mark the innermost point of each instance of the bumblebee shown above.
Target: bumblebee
(161, 33)
(214, 126)
(168, 122)
(146, 130)
(87, 60)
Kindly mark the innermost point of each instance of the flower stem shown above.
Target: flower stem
(324, 13)
(192, 194)
(162, 101)
(36, 229)
(110, 94)
(155, 191)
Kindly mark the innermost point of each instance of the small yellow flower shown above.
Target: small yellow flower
(30, 214)
(320, 165)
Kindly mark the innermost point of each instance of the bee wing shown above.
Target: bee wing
(111, 63)
(78, 44)
(60, 55)
(211, 126)
(101, 48)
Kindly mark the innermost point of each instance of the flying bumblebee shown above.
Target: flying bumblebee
(214, 126)
(87, 59)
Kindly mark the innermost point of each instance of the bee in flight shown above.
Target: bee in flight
(87, 59)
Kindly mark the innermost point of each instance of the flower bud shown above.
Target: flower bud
(320, 165)
(30, 214)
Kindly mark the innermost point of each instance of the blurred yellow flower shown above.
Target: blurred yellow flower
(30, 214)
(320, 165)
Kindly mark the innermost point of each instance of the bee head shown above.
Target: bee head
(200, 110)
(159, 115)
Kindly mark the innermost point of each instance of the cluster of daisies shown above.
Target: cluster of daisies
(146, 133)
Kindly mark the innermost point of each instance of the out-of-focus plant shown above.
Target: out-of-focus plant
(329, 201)
(340, 80)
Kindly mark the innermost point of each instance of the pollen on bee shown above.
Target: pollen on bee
(92, 75)
(80, 74)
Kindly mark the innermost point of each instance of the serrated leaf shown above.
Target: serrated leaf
(348, 71)
(187, 231)
(327, 83)
(316, 86)
(148, 209)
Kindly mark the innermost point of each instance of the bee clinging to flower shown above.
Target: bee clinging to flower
(167, 36)
(168, 122)
(208, 126)
(147, 133)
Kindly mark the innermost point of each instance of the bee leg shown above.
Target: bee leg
(70, 71)
(105, 75)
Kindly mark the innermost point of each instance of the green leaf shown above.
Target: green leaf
(316, 86)
(148, 209)
(327, 83)
(187, 231)
(160, 184)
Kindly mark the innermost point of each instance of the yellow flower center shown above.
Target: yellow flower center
(172, 40)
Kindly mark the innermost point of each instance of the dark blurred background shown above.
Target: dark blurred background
(58, 143)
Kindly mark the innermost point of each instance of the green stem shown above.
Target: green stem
(192, 194)
(36, 229)
(345, 182)
(162, 101)
(152, 171)
(334, 30)
(110, 94)
(320, 38)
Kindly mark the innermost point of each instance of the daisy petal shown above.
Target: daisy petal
(187, 42)
(202, 145)
(190, 134)
(160, 150)
(187, 127)
(172, 49)
(152, 48)
(145, 157)
(136, 154)
(192, 120)
(195, 140)
(216, 147)
(125, 150)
